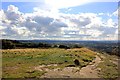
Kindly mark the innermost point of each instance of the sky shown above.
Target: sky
(59, 20)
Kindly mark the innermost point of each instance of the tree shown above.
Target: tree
(64, 46)
(7, 44)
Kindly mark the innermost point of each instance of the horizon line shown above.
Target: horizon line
(59, 40)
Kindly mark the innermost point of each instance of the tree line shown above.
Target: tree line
(13, 44)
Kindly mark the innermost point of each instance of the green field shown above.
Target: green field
(21, 63)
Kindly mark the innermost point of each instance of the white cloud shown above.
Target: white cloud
(12, 8)
(2, 15)
(115, 13)
(110, 23)
(43, 24)
(94, 33)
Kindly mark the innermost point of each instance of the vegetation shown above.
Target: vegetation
(20, 58)
(7, 44)
(12, 44)
(109, 67)
(110, 48)
(21, 63)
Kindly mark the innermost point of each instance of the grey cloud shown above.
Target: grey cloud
(12, 15)
(84, 22)
(107, 30)
(44, 21)
(32, 26)
(58, 24)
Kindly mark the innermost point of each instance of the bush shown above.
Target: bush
(64, 46)
(7, 44)
(44, 45)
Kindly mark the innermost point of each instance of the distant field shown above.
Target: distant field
(21, 63)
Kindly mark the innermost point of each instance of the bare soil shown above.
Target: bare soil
(90, 71)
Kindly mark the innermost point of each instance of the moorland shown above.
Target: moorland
(59, 59)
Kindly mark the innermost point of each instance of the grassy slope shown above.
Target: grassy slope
(109, 66)
(20, 63)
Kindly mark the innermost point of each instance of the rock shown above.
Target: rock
(99, 69)
(65, 61)
(59, 69)
(93, 67)
(75, 70)
(56, 69)
(76, 62)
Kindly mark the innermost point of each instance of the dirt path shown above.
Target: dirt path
(90, 71)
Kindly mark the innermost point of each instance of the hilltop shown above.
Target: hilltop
(58, 60)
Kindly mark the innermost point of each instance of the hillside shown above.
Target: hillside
(109, 47)
(37, 63)
(25, 60)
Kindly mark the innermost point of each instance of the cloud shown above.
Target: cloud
(65, 3)
(115, 13)
(12, 8)
(12, 13)
(47, 24)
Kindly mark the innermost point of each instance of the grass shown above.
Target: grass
(20, 63)
(108, 68)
